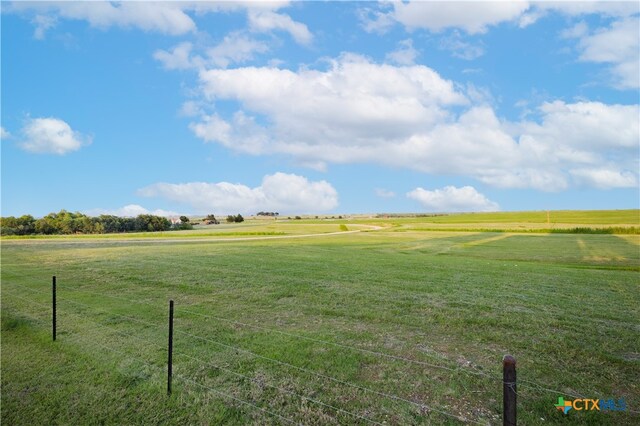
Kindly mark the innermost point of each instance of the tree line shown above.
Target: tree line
(65, 222)
(237, 218)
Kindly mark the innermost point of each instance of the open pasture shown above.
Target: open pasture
(399, 325)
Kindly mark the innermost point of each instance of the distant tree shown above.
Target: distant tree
(23, 225)
(184, 226)
(97, 226)
(298, 218)
(65, 222)
(151, 223)
(8, 225)
(45, 226)
(272, 214)
(111, 224)
(184, 219)
(85, 225)
(237, 219)
(211, 219)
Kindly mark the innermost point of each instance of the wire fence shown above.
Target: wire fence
(73, 308)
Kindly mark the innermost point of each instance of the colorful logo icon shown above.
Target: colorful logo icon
(563, 405)
(586, 404)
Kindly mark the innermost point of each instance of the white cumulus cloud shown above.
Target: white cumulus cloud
(587, 125)
(357, 111)
(605, 178)
(472, 17)
(4, 134)
(476, 17)
(178, 58)
(405, 54)
(618, 46)
(268, 20)
(173, 18)
(278, 192)
(131, 210)
(581, 8)
(453, 199)
(51, 136)
(164, 17)
(325, 116)
(235, 48)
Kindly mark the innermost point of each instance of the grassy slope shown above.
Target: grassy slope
(255, 228)
(567, 306)
(535, 221)
(585, 217)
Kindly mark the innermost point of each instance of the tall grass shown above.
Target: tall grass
(611, 230)
(454, 300)
(624, 230)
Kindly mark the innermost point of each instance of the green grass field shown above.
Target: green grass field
(400, 325)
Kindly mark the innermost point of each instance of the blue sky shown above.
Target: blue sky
(319, 107)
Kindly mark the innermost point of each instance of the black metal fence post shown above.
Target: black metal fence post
(509, 390)
(170, 358)
(53, 304)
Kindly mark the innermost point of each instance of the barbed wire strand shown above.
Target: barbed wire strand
(30, 301)
(236, 399)
(98, 310)
(36, 319)
(547, 310)
(340, 410)
(326, 377)
(330, 378)
(343, 346)
(522, 382)
(340, 345)
(527, 383)
(147, 341)
(533, 384)
(242, 401)
(76, 337)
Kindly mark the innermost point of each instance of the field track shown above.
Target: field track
(385, 323)
(193, 239)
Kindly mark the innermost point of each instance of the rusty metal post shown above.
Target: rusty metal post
(170, 351)
(53, 306)
(509, 390)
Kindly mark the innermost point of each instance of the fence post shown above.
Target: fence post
(53, 304)
(170, 358)
(509, 390)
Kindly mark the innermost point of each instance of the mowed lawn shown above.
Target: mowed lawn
(379, 327)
